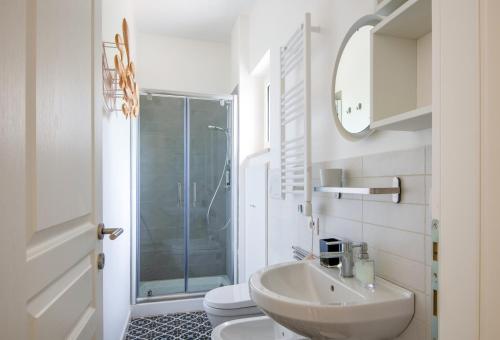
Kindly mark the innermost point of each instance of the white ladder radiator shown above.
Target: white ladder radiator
(295, 115)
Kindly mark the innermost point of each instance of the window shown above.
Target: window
(267, 118)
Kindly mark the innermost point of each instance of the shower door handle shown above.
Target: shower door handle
(195, 194)
(179, 194)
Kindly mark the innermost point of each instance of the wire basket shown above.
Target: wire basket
(120, 91)
(112, 93)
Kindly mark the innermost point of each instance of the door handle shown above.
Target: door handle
(112, 232)
(179, 194)
(195, 194)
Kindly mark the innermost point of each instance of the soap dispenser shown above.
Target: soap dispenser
(364, 268)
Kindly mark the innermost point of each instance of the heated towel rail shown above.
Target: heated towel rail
(295, 115)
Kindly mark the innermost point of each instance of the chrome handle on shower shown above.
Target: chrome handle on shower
(179, 194)
(195, 194)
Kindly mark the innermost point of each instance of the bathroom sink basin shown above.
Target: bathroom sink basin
(318, 303)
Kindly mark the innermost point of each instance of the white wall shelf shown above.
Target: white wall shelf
(395, 190)
(402, 68)
(418, 119)
(410, 21)
(386, 7)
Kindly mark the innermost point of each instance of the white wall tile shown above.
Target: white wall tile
(334, 226)
(397, 242)
(402, 216)
(428, 189)
(345, 208)
(409, 274)
(352, 167)
(428, 159)
(428, 220)
(397, 163)
(428, 250)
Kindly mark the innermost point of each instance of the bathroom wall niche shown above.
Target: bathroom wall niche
(402, 69)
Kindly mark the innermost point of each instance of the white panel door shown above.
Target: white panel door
(255, 218)
(490, 168)
(58, 202)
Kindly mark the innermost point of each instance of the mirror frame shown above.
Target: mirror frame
(367, 20)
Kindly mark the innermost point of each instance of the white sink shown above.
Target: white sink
(317, 302)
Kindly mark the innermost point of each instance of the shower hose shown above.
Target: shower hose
(226, 162)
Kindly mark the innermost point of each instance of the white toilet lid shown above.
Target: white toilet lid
(229, 297)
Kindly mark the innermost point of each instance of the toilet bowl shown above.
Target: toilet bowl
(229, 303)
(255, 328)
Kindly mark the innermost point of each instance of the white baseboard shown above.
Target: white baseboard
(166, 307)
(124, 331)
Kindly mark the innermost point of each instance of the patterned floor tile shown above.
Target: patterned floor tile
(178, 326)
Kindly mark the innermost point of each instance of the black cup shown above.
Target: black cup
(325, 247)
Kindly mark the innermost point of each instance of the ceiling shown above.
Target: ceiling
(210, 20)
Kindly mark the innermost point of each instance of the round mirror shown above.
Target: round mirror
(351, 99)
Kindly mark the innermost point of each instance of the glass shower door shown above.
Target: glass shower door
(185, 236)
(161, 252)
(210, 260)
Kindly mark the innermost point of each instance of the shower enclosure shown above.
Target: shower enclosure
(185, 235)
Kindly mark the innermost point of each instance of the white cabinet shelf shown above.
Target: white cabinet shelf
(414, 120)
(386, 7)
(402, 68)
(410, 21)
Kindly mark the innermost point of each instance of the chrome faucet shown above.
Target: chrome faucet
(345, 254)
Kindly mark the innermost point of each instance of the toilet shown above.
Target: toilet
(255, 328)
(229, 303)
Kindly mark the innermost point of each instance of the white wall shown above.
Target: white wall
(257, 32)
(116, 190)
(241, 76)
(334, 19)
(183, 65)
(286, 226)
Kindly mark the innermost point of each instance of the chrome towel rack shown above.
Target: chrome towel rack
(395, 190)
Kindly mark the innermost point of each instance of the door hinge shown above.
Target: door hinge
(435, 278)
